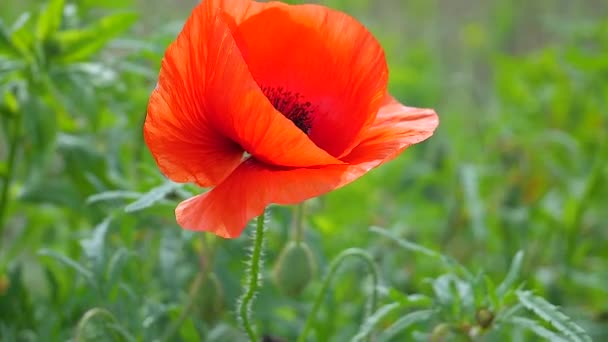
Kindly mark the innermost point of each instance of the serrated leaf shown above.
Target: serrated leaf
(405, 322)
(151, 197)
(552, 315)
(512, 274)
(536, 328)
(49, 20)
(76, 266)
(112, 195)
(80, 44)
(372, 321)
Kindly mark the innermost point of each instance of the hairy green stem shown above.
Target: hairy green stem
(333, 267)
(298, 223)
(253, 281)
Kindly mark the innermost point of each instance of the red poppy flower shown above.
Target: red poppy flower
(271, 103)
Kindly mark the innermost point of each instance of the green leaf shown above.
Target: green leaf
(453, 293)
(112, 195)
(151, 197)
(416, 248)
(49, 20)
(512, 275)
(473, 201)
(5, 39)
(10, 102)
(536, 328)
(372, 321)
(22, 38)
(413, 300)
(80, 44)
(509, 313)
(94, 246)
(491, 292)
(116, 264)
(405, 322)
(46, 190)
(40, 131)
(551, 314)
(88, 275)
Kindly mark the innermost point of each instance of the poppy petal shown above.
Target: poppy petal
(240, 10)
(177, 130)
(226, 209)
(208, 107)
(325, 56)
(395, 128)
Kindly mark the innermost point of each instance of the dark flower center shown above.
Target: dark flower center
(291, 105)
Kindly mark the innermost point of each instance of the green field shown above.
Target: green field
(468, 236)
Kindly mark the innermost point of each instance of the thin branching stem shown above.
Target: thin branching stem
(333, 267)
(253, 280)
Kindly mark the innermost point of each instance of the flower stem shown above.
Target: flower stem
(253, 280)
(298, 223)
(333, 267)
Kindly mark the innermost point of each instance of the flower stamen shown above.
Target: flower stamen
(291, 105)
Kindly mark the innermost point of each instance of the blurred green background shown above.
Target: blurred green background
(88, 245)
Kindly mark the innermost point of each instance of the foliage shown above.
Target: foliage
(511, 189)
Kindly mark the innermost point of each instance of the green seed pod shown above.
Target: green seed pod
(210, 298)
(440, 332)
(484, 318)
(294, 268)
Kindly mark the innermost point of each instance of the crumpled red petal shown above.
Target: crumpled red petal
(324, 56)
(207, 109)
(226, 209)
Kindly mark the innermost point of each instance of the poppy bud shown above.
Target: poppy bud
(210, 298)
(484, 317)
(294, 269)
